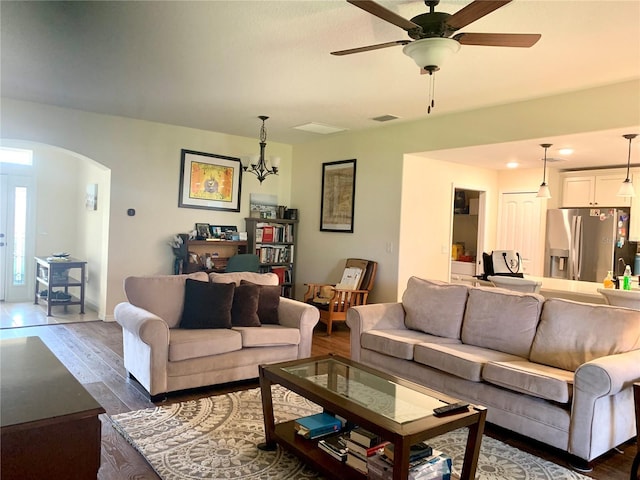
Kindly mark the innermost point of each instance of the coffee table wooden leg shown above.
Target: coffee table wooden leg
(474, 440)
(401, 455)
(267, 411)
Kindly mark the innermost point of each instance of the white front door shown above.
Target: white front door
(17, 238)
(521, 228)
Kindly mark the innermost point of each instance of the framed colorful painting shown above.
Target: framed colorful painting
(209, 181)
(338, 193)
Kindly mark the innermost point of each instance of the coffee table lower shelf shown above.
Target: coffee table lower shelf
(308, 450)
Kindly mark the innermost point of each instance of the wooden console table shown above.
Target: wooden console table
(49, 425)
(55, 273)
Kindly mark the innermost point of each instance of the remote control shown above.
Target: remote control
(450, 409)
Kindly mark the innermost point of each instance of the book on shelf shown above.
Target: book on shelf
(364, 437)
(362, 451)
(357, 463)
(267, 233)
(280, 272)
(259, 234)
(416, 451)
(334, 446)
(434, 467)
(317, 425)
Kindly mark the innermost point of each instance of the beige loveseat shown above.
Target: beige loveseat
(557, 371)
(164, 357)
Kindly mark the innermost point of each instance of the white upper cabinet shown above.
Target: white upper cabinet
(580, 189)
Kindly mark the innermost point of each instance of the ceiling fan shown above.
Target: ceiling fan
(434, 33)
(442, 25)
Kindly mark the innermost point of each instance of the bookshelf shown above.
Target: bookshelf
(274, 241)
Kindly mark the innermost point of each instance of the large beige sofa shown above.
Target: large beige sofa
(557, 371)
(164, 357)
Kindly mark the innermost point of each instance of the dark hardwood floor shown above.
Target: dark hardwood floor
(92, 351)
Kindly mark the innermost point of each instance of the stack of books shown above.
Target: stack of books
(318, 425)
(361, 444)
(436, 466)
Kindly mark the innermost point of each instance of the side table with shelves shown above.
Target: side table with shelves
(274, 241)
(54, 274)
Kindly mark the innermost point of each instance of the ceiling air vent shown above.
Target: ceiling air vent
(384, 118)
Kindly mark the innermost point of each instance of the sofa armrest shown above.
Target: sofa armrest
(145, 338)
(295, 314)
(375, 316)
(602, 387)
(608, 375)
(148, 327)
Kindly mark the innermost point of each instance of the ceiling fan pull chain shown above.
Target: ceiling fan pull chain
(432, 90)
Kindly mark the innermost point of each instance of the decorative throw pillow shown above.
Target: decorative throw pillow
(207, 305)
(268, 302)
(244, 312)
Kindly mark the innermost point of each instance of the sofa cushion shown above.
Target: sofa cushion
(207, 305)
(185, 344)
(534, 379)
(434, 307)
(398, 342)
(464, 361)
(268, 336)
(572, 333)
(268, 302)
(162, 295)
(501, 320)
(237, 277)
(244, 310)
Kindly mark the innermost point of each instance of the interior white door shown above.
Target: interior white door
(3, 235)
(521, 228)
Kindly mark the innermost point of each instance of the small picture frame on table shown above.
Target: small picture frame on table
(202, 231)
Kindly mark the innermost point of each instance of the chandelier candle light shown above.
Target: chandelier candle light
(257, 164)
(626, 189)
(544, 192)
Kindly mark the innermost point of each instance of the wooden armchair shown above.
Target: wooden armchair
(333, 300)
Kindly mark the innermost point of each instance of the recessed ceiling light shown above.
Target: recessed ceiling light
(512, 165)
(321, 128)
(565, 151)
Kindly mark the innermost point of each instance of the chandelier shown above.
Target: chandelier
(257, 164)
(544, 192)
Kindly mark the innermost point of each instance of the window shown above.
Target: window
(16, 156)
(19, 236)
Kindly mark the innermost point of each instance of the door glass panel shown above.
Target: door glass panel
(19, 235)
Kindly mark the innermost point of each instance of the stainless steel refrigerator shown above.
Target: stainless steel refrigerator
(585, 243)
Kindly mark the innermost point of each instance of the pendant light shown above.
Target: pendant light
(258, 164)
(544, 192)
(626, 189)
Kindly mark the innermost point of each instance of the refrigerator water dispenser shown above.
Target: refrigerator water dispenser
(558, 263)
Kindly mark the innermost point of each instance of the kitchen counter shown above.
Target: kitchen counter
(575, 290)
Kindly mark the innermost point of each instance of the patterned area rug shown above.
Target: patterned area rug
(216, 438)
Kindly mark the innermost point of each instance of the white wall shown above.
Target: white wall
(382, 187)
(144, 163)
(144, 159)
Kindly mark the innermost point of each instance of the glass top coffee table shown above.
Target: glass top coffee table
(398, 410)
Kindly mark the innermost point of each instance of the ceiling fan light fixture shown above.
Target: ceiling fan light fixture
(431, 53)
(626, 189)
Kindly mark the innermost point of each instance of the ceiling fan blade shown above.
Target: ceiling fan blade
(370, 47)
(524, 40)
(385, 14)
(472, 12)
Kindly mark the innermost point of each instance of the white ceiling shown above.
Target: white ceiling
(217, 65)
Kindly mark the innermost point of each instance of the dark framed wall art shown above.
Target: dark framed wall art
(338, 194)
(209, 181)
